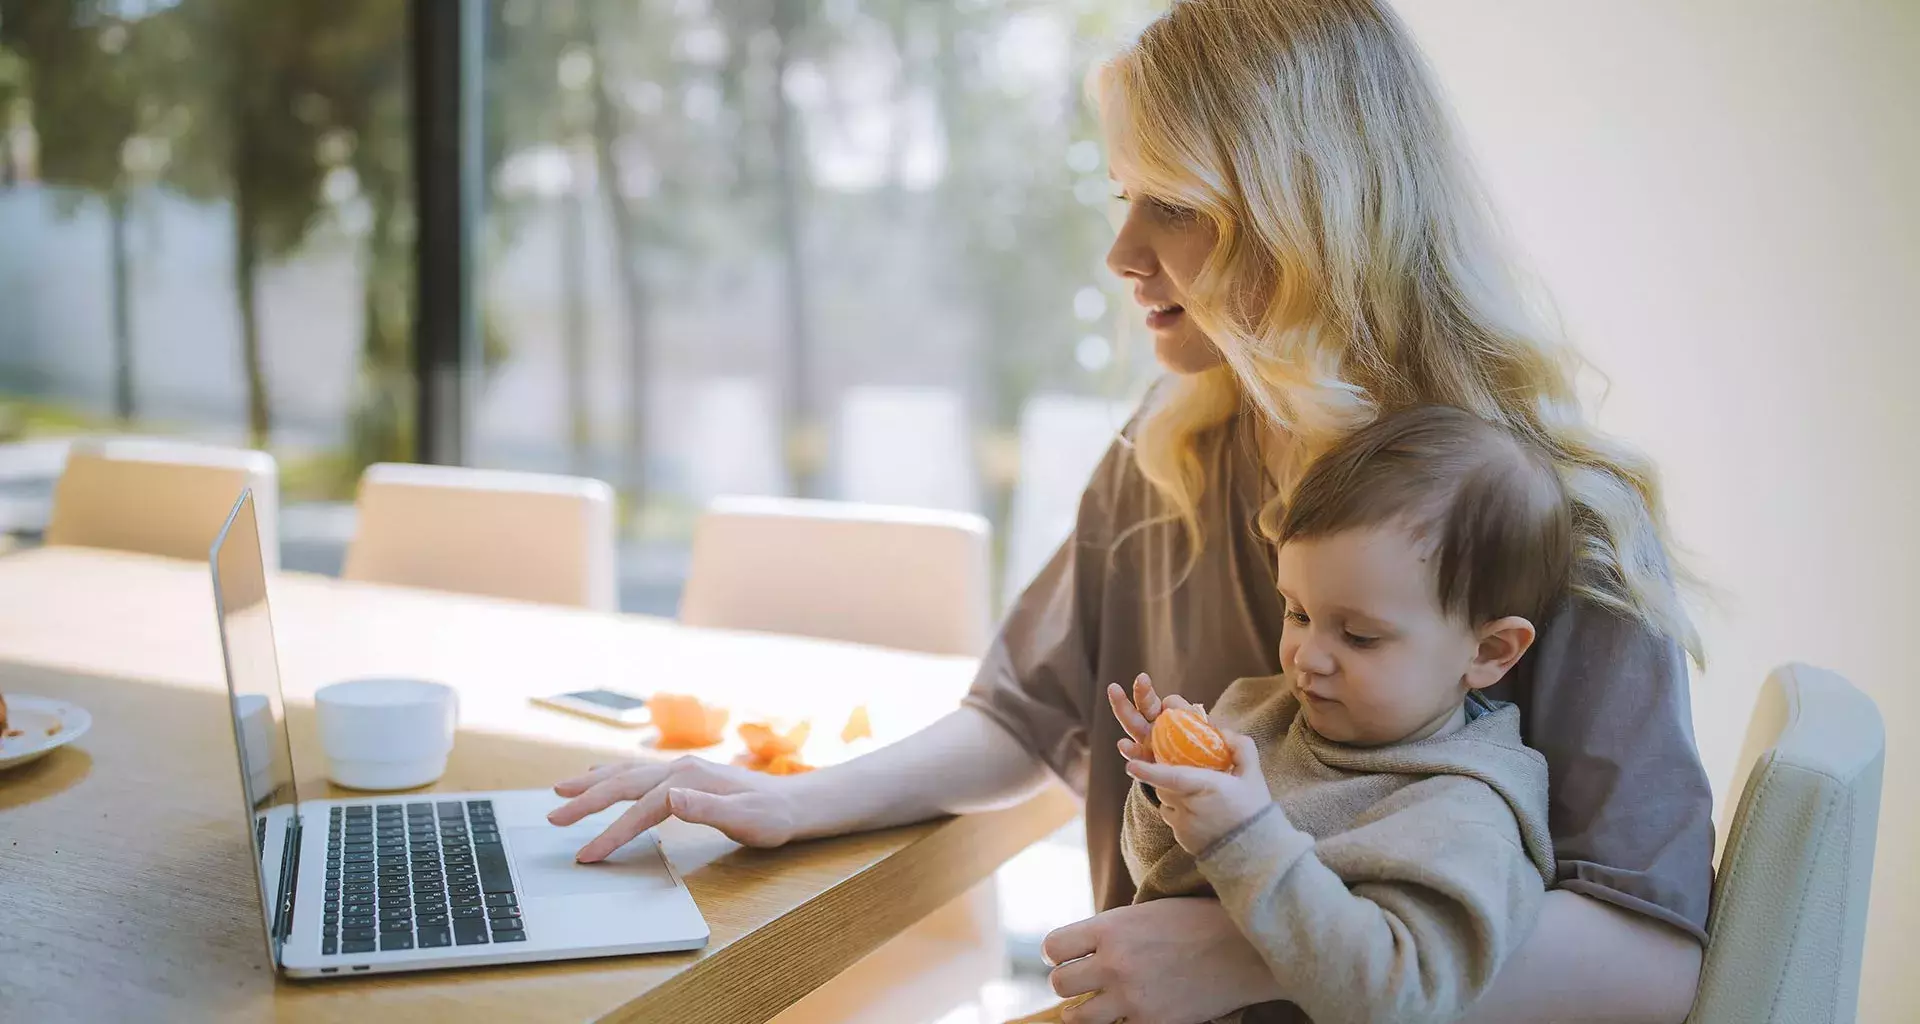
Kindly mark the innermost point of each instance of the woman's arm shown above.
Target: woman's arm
(1589, 961)
(1176, 960)
(963, 762)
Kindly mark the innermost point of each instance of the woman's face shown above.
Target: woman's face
(1159, 252)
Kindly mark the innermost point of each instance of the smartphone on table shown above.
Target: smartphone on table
(609, 706)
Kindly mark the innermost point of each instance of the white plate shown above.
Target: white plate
(43, 724)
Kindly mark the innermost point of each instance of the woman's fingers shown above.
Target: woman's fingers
(627, 784)
(649, 810)
(1130, 718)
(1070, 942)
(581, 783)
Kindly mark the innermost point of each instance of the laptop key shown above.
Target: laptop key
(357, 921)
(396, 940)
(463, 889)
(502, 899)
(503, 913)
(500, 936)
(469, 933)
(466, 901)
(431, 937)
(402, 925)
(469, 911)
(329, 946)
(492, 861)
(355, 934)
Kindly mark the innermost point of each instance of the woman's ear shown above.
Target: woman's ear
(1502, 642)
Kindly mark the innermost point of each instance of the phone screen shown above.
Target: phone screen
(609, 699)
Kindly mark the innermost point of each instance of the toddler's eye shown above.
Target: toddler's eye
(1362, 642)
(1297, 617)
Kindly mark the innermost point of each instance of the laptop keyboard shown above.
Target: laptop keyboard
(417, 875)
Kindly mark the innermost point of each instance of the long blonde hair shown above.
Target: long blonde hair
(1309, 135)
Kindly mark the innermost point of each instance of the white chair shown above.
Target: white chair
(160, 497)
(524, 536)
(1062, 439)
(910, 578)
(1789, 914)
(905, 446)
(907, 578)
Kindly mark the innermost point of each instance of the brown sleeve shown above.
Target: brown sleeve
(1037, 679)
(1605, 699)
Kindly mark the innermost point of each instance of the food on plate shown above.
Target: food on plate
(1184, 736)
(785, 764)
(686, 722)
(3, 712)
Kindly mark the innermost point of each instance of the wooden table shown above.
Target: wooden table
(123, 868)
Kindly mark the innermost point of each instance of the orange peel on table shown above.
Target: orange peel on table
(764, 744)
(858, 727)
(686, 722)
(1183, 736)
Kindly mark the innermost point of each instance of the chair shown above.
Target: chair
(1789, 911)
(160, 497)
(524, 536)
(913, 579)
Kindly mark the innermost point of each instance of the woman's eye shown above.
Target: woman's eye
(1171, 211)
(1362, 642)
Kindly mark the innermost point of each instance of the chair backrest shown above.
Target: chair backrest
(160, 497)
(1790, 900)
(908, 578)
(525, 536)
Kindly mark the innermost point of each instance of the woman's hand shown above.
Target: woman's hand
(752, 808)
(1173, 961)
(1201, 805)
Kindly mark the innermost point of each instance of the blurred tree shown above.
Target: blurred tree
(83, 73)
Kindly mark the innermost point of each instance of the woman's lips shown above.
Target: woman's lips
(1160, 318)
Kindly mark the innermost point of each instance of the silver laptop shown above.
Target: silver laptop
(408, 882)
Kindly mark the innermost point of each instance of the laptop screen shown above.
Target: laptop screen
(259, 719)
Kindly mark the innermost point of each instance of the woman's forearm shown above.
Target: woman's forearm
(961, 763)
(1587, 962)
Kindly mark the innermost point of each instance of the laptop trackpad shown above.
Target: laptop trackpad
(543, 861)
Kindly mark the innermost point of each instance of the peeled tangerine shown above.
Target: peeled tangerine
(766, 745)
(686, 722)
(1184, 736)
(858, 727)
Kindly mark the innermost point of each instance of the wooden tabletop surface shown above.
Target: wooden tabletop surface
(124, 869)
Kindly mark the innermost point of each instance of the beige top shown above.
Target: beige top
(1383, 883)
(1602, 697)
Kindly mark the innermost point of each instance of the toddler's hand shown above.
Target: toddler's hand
(1137, 714)
(1201, 805)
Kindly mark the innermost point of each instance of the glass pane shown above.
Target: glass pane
(844, 249)
(205, 232)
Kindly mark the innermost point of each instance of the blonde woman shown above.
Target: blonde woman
(1311, 251)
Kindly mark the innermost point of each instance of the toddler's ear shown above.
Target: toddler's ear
(1502, 642)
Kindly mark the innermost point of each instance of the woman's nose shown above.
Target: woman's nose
(1131, 256)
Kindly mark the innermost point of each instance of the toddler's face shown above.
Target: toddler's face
(1367, 646)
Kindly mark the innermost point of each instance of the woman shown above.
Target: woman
(1311, 251)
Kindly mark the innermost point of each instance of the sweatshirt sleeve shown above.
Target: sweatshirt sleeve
(1405, 918)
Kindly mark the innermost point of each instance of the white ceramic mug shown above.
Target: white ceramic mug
(386, 733)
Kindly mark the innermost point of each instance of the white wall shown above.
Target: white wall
(1725, 199)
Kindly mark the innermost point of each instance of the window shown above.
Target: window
(841, 249)
(205, 231)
